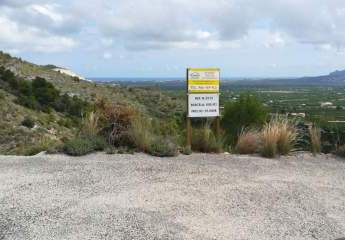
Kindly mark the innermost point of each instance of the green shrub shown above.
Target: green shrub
(246, 112)
(187, 150)
(55, 148)
(41, 145)
(28, 122)
(163, 147)
(99, 143)
(79, 146)
(33, 150)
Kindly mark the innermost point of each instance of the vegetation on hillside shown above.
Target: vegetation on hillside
(46, 110)
(41, 95)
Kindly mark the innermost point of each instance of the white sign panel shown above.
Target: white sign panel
(203, 105)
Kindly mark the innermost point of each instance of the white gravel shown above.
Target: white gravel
(201, 196)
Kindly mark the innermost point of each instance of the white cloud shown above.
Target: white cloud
(275, 40)
(14, 36)
(158, 24)
(107, 55)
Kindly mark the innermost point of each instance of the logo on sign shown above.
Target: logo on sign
(195, 75)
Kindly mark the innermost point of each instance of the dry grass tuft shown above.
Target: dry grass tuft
(278, 137)
(90, 125)
(269, 137)
(140, 133)
(287, 136)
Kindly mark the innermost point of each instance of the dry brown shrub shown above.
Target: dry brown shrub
(247, 142)
(116, 120)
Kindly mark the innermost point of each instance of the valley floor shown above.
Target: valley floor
(200, 196)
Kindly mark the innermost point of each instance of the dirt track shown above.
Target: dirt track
(189, 197)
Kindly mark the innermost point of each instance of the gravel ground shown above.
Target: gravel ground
(201, 196)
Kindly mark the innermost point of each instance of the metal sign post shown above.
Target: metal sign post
(202, 97)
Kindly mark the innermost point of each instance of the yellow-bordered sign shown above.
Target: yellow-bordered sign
(203, 80)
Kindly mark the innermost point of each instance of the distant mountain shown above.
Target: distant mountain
(336, 78)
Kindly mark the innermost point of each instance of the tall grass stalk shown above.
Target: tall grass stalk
(140, 133)
(90, 125)
(269, 139)
(315, 139)
(287, 135)
(278, 137)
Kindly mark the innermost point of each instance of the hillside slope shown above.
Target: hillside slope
(141, 98)
(54, 126)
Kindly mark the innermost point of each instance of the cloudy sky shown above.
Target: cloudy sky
(160, 38)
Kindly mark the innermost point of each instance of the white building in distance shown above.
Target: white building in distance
(69, 73)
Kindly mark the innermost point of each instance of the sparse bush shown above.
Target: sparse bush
(246, 112)
(42, 145)
(99, 143)
(247, 142)
(163, 147)
(33, 150)
(115, 122)
(204, 140)
(340, 151)
(111, 150)
(119, 150)
(55, 148)
(187, 150)
(79, 146)
(315, 140)
(28, 122)
(65, 122)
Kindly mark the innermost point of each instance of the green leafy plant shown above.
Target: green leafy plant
(28, 122)
(79, 146)
(163, 147)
